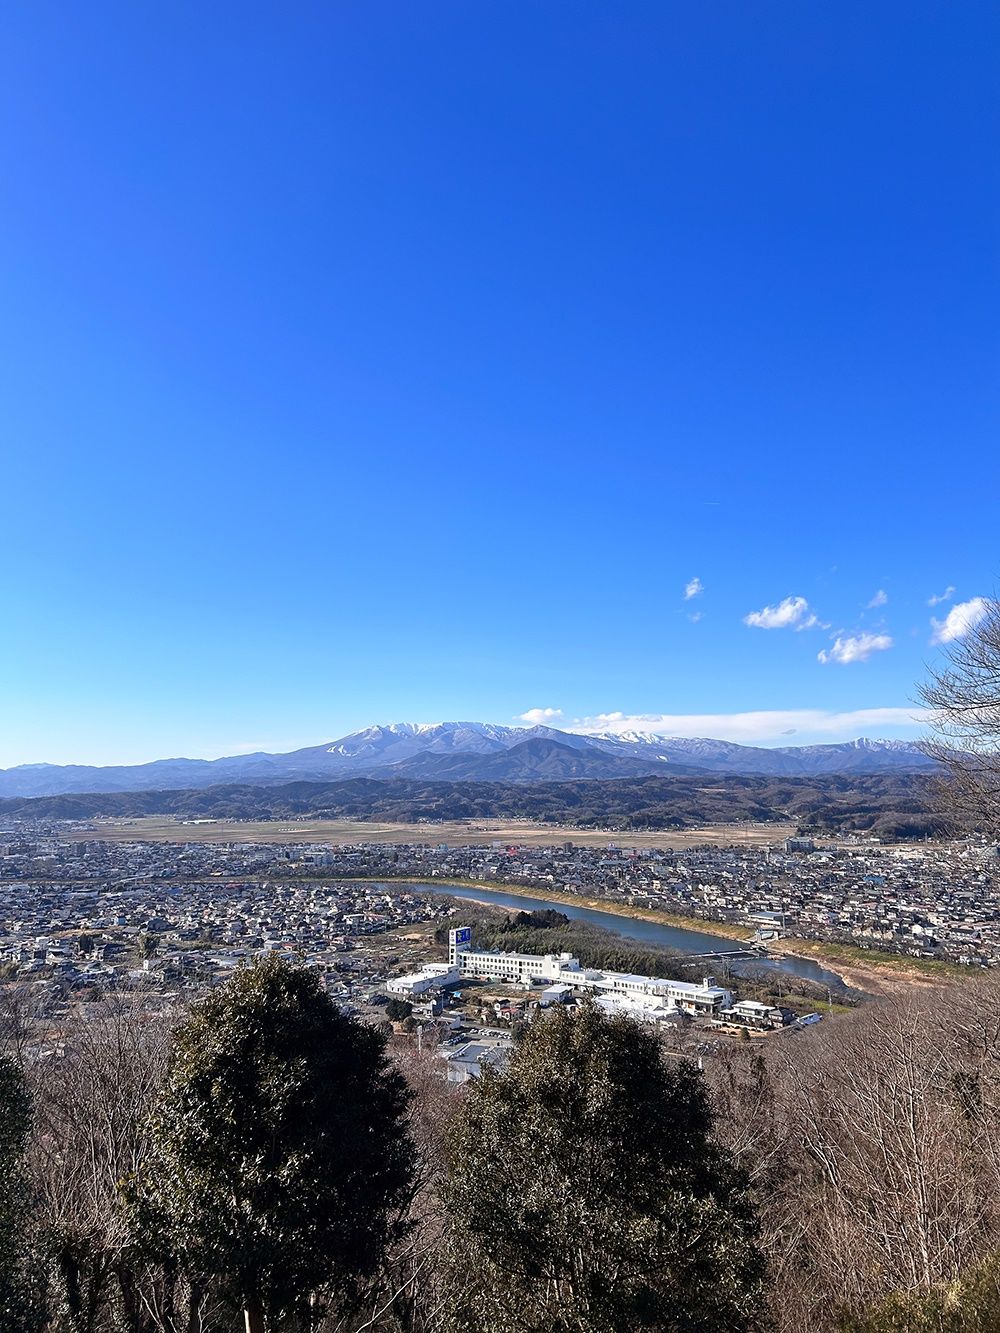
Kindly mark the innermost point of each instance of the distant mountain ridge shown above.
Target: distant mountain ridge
(474, 752)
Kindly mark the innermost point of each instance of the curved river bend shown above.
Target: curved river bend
(634, 928)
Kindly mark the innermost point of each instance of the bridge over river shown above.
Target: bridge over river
(759, 954)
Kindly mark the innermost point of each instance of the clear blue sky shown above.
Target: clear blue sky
(371, 361)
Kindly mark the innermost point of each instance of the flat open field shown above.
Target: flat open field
(457, 833)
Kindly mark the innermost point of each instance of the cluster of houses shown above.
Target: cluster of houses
(80, 914)
(73, 941)
(929, 900)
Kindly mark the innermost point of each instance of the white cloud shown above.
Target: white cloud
(792, 613)
(962, 617)
(854, 648)
(945, 596)
(540, 717)
(754, 728)
(880, 599)
(695, 616)
(694, 588)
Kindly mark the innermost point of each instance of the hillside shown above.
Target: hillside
(892, 805)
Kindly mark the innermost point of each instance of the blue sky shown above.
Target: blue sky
(363, 362)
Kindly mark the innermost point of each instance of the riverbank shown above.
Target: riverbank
(874, 971)
(702, 925)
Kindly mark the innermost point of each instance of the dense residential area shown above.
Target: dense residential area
(95, 912)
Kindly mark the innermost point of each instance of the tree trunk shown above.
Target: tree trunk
(195, 1296)
(253, 1313)
(132, 1313)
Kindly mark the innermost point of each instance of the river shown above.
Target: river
(648, 932)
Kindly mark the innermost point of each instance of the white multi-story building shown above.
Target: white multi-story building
(526, 969)
(432, 977)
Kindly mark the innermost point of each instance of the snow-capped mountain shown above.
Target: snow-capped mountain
(400, 740)
(473, 752)
(858, 756)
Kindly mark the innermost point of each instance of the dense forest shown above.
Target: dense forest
(890, 805)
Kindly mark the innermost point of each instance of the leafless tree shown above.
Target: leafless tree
(964, 700)
(20, 1018)
(888, 1179)
(90, 1111)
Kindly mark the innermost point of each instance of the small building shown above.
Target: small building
(471, 1058)
(752, 1014)
(432, 977)
(643, 1008)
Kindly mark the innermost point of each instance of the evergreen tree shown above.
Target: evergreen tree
(397, 1010)
(585, 1193)
(281, 1155)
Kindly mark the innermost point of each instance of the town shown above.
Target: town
(82, 911)
(929, 900)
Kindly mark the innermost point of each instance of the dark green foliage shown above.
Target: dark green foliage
(281, 1155)
(21, 1293)
(585, 1193)
(539, 918)
(396, 1010)
(15, 1114)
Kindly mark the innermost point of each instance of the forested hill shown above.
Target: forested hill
(893, 805)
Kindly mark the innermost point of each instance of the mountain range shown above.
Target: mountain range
(474, 752)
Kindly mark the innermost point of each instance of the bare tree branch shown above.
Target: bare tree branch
(963, 697)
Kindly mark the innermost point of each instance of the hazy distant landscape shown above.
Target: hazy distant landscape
(457, 773)
(890, 806)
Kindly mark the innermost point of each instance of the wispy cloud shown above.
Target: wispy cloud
(938, 597)
(752, 728)
(854, 648)
(695, 616)
(540, 717)
(694, 588)
(880, 599)
(792, 613)
(962, 617)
